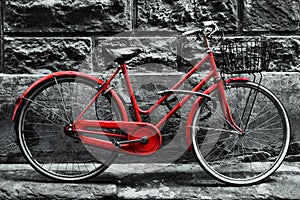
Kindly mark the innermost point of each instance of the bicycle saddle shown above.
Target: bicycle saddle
(123, 54)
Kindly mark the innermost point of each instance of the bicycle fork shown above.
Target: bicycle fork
(222, 96)
(226, 110)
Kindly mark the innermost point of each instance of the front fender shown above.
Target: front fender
(20, 100)
(196, 104)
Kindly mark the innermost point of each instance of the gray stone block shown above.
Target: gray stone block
(181, 15)
(1, 17)
(286, 86)
(43, 190)
(270, 15)
(1, 53)
(191, 53)
(285, 54)
(295, 148)
(45, 55)
(142, 54)
(1, 35)
(11, 87)
(67, 16)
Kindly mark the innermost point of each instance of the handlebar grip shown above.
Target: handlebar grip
(192, 32)
(210, 23)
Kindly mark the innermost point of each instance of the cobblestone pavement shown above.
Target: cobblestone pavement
(146, 181)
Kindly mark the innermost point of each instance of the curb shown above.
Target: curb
(146, 181)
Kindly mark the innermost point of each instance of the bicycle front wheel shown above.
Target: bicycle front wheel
(247, 158)
(43, 121)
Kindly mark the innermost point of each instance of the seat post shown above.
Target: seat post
(206, 41)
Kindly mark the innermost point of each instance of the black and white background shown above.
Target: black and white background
(43, 36)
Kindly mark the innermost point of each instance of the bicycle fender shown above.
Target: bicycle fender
(196, 104)
(19, 102)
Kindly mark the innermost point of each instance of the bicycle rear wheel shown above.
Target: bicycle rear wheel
(44, 118)
(241, 159)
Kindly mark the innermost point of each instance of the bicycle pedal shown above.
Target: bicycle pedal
(168, 135)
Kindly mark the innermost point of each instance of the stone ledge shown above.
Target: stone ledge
(39, 190)
(146, 181)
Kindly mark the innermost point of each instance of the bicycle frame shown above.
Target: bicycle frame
(138, 111)
(80, 124)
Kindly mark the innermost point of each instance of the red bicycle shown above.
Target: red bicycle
(71, 126)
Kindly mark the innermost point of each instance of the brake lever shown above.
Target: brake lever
(211, 28)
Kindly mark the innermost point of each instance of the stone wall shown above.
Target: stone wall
(39, 37)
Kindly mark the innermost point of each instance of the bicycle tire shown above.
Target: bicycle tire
(40, 125)
(241, 159)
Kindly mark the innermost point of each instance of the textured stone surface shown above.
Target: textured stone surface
(67, 16)
(191, 52)
(263, 191)
(294, 148)
(285, 54)
(1, 30)
(181, 15)
(279, 15)
(1, 53)
(21, 190)
(142, 54)
(45, 55)
(1, 19)
(287, 88)
(11, 87)
(146, 181)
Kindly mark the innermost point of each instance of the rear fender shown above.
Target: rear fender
(196, 104)
(20, 101)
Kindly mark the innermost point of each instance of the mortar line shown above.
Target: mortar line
(1, 35)
(240, 13)
(134, 13)
(1, 11)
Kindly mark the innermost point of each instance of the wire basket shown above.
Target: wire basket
(244, 55)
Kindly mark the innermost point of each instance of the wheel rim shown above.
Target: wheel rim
(248, 158)
(42, 134)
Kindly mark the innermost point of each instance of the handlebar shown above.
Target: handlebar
(210, 27)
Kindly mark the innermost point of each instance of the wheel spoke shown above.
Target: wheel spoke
(62, 98)
(49, 109)
(236, 158)
(43, 136)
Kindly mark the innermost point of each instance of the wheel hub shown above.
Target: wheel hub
(150, 143)
(68, 130)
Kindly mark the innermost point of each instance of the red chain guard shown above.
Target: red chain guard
(134, 131)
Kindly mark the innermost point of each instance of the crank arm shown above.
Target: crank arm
(143, 140)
